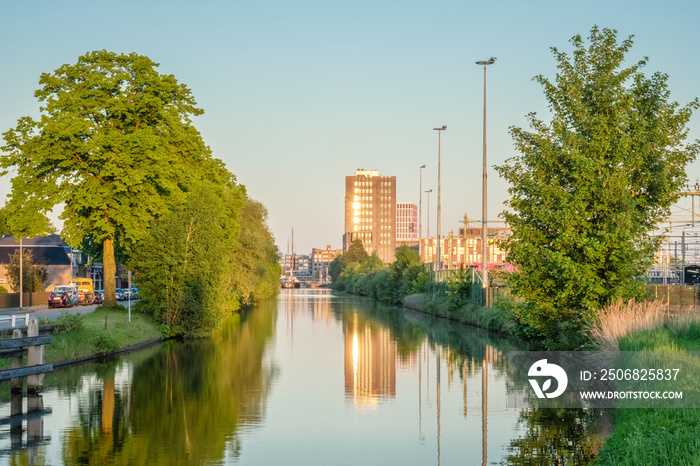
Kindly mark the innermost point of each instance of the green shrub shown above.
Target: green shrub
(68, 322)
(3, 290)
(105, 342)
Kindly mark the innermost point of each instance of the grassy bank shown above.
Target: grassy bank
(652, 436)
(80, 337)
(499, 318)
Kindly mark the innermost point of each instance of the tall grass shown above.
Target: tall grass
(621, 319)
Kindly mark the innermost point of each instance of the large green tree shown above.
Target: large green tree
(589, 185)
(115, 144)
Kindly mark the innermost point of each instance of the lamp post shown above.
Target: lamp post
(429, 191)
(420, 213)
(484, 221)
(439, 262)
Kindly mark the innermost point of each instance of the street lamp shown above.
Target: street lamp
(439, 130)
(429, 191)
(484, 221)
(420, 213)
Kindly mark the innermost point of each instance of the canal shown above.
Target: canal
(312, 378)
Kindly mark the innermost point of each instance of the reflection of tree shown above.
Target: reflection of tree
(557, 436)
(185, 403)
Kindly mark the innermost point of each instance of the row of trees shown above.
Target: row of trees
(115, 146)
(357, 272)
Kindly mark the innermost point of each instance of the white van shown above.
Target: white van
(71, 290)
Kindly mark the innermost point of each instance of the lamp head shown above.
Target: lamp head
(490, 61)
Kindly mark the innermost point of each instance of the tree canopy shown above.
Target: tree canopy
(115, 144)
(588, 186)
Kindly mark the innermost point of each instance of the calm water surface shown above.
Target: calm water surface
(311, 379)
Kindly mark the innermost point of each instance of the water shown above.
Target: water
(311, 379)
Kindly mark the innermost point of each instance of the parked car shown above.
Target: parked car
(99, 296)
(135, 293)
(119, 292)
(71, 290)
(60, 299)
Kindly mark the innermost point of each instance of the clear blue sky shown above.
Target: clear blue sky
(297, 95)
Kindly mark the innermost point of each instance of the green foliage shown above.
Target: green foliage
(67, 322)
(374, 279)
(356, 253)
(105, 342)
(587, 187)
(34, 276)
(206, 259)
(459, 284)
(181, 265)
(165, 330)
(115, 144)
(4, 226)
(3, 290)
(254, 267)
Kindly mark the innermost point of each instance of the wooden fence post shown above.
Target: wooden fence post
(15, 363)
(35, 357)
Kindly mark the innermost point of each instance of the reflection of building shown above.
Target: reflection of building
(320, 260)
(321, 308)
(370, 364)
(370, 213)
(407, 225)
(465, 249)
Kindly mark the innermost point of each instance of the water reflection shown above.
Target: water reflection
(314, 378)
(370, 363)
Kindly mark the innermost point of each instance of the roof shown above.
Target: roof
(48, 250)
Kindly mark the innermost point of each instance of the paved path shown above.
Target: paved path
(42, 311)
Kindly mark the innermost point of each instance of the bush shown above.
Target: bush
(68, 322)
(3, 290)
(105, 342)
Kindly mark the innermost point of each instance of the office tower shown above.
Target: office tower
(370, 213)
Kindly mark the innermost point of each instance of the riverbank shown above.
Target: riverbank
(107, 330)
(657, 436)
(495, 319)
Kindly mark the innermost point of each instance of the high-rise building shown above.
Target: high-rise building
(370, 213)
(407, 224)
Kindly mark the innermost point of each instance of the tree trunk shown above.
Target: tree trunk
(110, 270)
